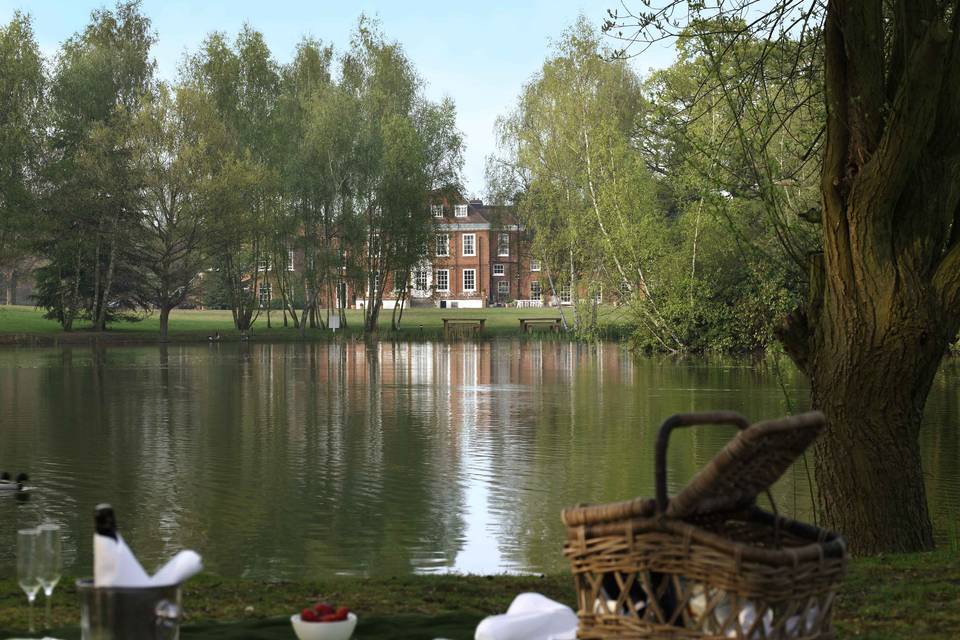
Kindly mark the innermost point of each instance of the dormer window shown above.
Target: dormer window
(436, 210)
(460, 210)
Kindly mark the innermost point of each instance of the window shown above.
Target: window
(534, 264)
(469, 279)
(535, 292)
(442, 277)
(420, 279)
(565, 294)
(436, 210)
(460, 210)
(503, 244)
(265, 294)
(290, 260)
(263, 264)
(498, 269)
(443, 244)
(503, 288)
(469, 244)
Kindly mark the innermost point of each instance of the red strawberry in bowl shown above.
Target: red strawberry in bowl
(323, 622)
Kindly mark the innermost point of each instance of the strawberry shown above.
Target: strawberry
(342, 613)
(330, 617)
(309, 615)
(323, 609)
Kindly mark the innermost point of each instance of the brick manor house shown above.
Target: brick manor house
(479, 257)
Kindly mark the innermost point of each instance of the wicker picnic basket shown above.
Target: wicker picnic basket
(708, 563)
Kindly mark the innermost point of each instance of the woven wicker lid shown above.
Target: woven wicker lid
(749, 464)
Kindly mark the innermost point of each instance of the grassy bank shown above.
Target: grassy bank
(913, 596)
(26, 325)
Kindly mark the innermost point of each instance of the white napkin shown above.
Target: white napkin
(180, 568)
(114, 565)
(531, 616)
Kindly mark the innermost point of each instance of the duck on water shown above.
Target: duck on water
(6, 484)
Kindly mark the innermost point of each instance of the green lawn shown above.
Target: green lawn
(185, 325)
(913, 596)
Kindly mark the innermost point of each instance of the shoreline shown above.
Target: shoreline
(884, 597)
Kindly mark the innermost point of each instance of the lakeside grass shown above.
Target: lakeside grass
(26, 325)
(913, 596)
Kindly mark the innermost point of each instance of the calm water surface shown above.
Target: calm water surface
(305, 460)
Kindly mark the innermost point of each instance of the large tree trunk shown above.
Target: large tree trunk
(164, 322)
(870, 374)
(11, 297)
(883, 295)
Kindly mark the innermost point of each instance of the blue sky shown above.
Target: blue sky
(479, 53)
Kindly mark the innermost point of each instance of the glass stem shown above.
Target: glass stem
(30, 607)
(48, 595)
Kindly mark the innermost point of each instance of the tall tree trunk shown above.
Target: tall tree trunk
(883, 296)
(164, 321)
(11, 297)
(101, 321)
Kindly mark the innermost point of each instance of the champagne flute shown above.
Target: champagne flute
(50, 561)
(27, 569)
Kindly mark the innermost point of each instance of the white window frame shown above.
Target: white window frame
(534, 264)
(263, 264)
(473, 273)
(564, 294)
(498, 270)
(266, 289)
(436, 210)
(417, 280)
(437, 279)
(503, 244)
(503, 288)
(290, 256)
(473, 244)
(539, 290)
(460, 210)
(446, 244)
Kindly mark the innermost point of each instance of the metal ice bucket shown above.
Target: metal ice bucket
(129, 613)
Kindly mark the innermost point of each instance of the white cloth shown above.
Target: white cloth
(795, 625)
(531, 616)
(180, 568)
(114, 565)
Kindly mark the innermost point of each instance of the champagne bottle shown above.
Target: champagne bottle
(105, 521)
(114, 565)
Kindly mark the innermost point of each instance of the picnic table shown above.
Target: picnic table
(456, 626)
(552, 323)
(475, 323)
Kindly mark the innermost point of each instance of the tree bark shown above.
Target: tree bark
(164, 322)
(881, 308)
(11, 297)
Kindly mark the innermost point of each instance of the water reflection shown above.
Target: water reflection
(304, 460)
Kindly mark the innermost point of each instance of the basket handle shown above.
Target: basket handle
(686, 420)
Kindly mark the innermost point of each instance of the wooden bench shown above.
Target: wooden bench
(527, 323)
(475, 323)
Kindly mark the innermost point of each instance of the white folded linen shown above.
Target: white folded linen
(114, 565)
(181, 567)
(531, 616)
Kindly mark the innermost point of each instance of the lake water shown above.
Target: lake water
(294, 461)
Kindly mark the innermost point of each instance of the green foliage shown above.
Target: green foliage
(22, 121)
(94, 179)
(640, 191)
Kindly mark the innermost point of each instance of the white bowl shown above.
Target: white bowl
(341, 630)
